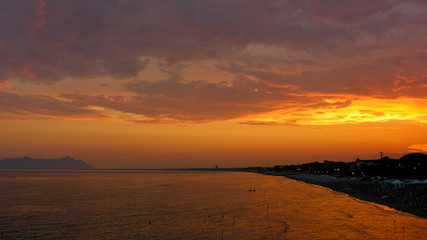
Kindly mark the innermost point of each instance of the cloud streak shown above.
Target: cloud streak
(26, 106)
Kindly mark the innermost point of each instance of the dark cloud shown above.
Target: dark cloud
(46, 41)
(402, 76)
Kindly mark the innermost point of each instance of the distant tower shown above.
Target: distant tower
(381, 155)
(216, 167)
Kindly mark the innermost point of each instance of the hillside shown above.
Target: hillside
(66, 163)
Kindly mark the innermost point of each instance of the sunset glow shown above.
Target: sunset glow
(157, 84)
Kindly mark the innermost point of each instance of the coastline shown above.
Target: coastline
(341, 184)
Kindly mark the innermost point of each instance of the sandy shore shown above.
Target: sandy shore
(341, 184)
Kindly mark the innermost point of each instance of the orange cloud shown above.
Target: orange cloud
(5, 84)
(418, 147)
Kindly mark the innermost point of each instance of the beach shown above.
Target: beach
(381, 192)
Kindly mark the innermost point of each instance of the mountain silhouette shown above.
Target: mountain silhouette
(65, 163)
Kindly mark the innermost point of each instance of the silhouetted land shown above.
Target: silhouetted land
(410, 166)
(66, 163)
(398, 183)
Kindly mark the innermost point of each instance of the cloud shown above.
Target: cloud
(172, 101)
(292, 122)
(248, 101)
(371, 112)
(419, 147)
(373, 77)
(47, 41)
(26, 106)
(197, 101)
(5, 84)
(274, 56)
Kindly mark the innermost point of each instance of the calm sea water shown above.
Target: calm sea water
(187, 205)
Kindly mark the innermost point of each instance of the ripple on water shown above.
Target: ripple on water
(188, 205)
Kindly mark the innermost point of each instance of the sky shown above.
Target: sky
(177, 84)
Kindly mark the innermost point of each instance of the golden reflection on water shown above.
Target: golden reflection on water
(188, 205)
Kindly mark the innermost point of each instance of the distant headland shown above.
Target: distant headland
(65, 163)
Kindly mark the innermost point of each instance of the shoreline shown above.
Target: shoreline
(339, 184)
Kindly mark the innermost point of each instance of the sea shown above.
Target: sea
(146, 204)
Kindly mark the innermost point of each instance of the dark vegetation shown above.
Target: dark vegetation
(410, 166)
